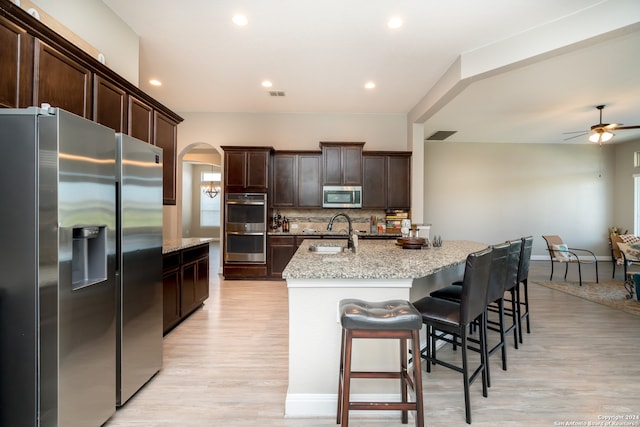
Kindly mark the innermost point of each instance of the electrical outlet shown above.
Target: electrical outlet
(294, 226)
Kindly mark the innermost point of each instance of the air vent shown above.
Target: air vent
(276, 93)
(440, 135)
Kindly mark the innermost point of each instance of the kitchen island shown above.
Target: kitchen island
(378, 270)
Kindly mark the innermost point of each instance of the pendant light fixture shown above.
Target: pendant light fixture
(212, 189)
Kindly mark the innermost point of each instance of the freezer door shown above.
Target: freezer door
(18, 283)
(139, 343)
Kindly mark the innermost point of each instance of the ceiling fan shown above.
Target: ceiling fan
(602, 132)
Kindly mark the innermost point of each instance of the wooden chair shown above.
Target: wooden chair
(560, 252)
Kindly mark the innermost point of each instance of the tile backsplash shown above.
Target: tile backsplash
(317, 219)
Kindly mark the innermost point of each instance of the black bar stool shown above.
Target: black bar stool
(523, 278)
(395, 319)
(495, 294)
(443, 317)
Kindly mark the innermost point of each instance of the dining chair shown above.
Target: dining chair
(560, 252)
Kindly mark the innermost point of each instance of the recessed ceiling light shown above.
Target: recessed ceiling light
(267, 83)
(395, 22)
(155, 82)
(369, 85)
(240, 20)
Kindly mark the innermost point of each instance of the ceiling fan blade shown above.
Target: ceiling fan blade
(611, 126)
(575, 136)
(584, 132)
(627, 127)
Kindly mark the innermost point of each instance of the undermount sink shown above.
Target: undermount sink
(327, 249)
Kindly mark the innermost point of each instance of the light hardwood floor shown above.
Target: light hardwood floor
(226, 365)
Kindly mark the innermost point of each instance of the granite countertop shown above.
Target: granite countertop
(377, 259)
(173, 245)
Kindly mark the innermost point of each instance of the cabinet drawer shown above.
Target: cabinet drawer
(192, 254)
(281, 240)
(171, 261)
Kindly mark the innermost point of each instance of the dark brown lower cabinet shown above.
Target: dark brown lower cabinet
(244, 271)
(185, 282)
(171, 290)
(280, 249)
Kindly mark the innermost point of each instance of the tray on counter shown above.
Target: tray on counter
(411, 242)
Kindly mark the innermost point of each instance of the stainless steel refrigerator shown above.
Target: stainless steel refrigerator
(139, 264)
(57, 270)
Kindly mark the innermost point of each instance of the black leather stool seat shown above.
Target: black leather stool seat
(393, 319)
(384, 315)
(442, 311)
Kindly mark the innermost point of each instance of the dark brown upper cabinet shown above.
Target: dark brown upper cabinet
(109, 104)
(342, 163)
(297, 179)
(374, 185)
(140, 120)
(399, 181)
(284, 180)
(309, 180)
(165, 136)
(38, 65)
(61, 81)
(16, 66)
(246, 169)
(386, 180)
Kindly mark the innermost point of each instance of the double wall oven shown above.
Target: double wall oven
(245, 228)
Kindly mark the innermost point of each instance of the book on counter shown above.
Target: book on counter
(397, 214)
(393, 219)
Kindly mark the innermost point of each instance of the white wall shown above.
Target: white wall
(495, 192)
(99, 26)
(187, 199)
(293, 131)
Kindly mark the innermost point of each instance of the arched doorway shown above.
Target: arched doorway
(201, 191)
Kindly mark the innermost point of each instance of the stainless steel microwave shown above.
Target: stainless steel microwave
(339, 196)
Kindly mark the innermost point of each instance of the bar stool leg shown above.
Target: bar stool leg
(346, 387)
(403, 376)
(341, 379)
(417, 378)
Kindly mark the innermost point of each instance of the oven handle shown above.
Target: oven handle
(258, 203)
(260, 233)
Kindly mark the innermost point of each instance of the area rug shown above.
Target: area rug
(609, 293)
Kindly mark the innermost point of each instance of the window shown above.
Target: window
(636, 204)
(210, 207)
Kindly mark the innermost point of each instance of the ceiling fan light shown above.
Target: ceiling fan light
(600, 136)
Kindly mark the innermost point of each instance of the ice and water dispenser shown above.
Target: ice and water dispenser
(89, 260)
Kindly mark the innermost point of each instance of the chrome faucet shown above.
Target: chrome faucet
(330, 225)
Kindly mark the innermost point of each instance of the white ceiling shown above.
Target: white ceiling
(321, 53)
